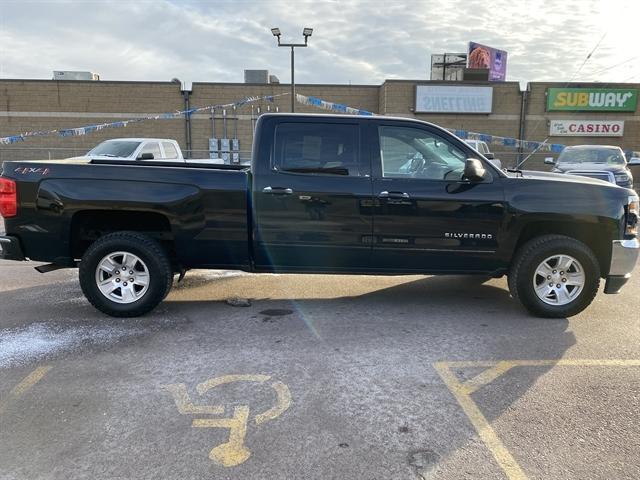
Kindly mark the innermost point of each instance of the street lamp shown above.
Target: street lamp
(306, 33)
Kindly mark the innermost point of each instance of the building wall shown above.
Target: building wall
(399, 100)
(537, 121)
(203, 94)
(27, 105)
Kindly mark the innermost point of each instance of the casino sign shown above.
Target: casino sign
(586, 128)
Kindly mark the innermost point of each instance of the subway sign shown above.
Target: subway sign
(592, 99)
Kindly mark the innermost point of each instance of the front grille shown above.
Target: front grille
(600, 175)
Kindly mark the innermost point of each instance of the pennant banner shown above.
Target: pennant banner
(71, 132)
(507, 141)
(303, 99)
(334, 107)
(462, 134)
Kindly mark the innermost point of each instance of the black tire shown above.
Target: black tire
(532, 254)
(155, 258)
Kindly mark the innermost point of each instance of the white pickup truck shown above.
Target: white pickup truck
(137, 149)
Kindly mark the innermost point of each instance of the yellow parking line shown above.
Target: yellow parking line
(494, 369)
(481, 424)
(487, 376)
(578, 362)
(26, 384)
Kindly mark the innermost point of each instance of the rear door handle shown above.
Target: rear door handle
(277, 190)
(385, 194)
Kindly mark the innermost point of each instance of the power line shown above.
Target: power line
(588, 56)
(614, 66)
(519, 164)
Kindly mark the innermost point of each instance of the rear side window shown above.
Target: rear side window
(152, 147)
(318, 148)
(169, 150)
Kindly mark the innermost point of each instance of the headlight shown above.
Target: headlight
(622, 178)
(633, 211)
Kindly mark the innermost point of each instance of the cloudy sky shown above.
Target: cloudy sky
(357, 41)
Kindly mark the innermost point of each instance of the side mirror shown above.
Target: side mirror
(474, 170)
(549, 161)
(634, 161)
(145, 156)
(496, 162)
(489, 156)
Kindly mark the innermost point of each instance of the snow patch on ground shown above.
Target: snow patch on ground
(26, 344)
(219, 273)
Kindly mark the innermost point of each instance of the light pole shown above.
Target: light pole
(306, 32)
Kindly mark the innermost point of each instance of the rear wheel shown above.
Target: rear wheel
(554, 276)
(125, 274)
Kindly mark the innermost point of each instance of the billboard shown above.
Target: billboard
(481, 56)
(592, 99)
(448, 66)
(586, 128)
(446, 99)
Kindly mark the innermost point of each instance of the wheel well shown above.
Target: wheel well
(89, 225)
(600, 245)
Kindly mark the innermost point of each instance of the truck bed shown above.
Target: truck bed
(201, 209)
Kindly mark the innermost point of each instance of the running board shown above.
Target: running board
(49, 267)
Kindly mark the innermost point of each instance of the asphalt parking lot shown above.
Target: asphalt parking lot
(321, 377)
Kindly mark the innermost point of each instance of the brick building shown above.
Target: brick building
(27, 105)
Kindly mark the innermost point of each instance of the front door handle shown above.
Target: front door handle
(385, 194)
(277, 190)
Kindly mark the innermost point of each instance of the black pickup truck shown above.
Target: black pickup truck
(324, 194)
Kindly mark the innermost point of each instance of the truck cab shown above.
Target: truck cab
(137, 149)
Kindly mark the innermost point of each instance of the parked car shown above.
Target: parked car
(604, 162)
(483, 148)
(138, 149)
(324, 194)
(633, 163)
(631, 155)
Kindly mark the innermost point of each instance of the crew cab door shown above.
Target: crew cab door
(312, 196)
(428, 218)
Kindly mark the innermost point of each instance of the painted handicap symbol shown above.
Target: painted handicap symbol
(233, 452)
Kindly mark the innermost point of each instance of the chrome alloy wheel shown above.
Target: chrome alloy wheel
(558, 280)
(122, 277)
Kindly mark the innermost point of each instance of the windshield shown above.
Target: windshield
(609, 156)
(114, 149)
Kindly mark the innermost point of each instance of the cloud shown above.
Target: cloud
(357, 41)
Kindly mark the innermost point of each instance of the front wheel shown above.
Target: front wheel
(125, 274)
(554, 276)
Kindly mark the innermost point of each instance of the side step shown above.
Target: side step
(49, 267)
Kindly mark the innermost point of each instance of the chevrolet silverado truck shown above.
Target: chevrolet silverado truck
(324, 194)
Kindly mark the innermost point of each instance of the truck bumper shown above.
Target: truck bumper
(624, 256)
(10, 249)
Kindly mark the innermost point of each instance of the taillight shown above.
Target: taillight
(8, 198)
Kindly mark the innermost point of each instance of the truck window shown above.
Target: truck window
(169, 150)
(114, 148)
(408, 152)
(152, 147)
(317, 148)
